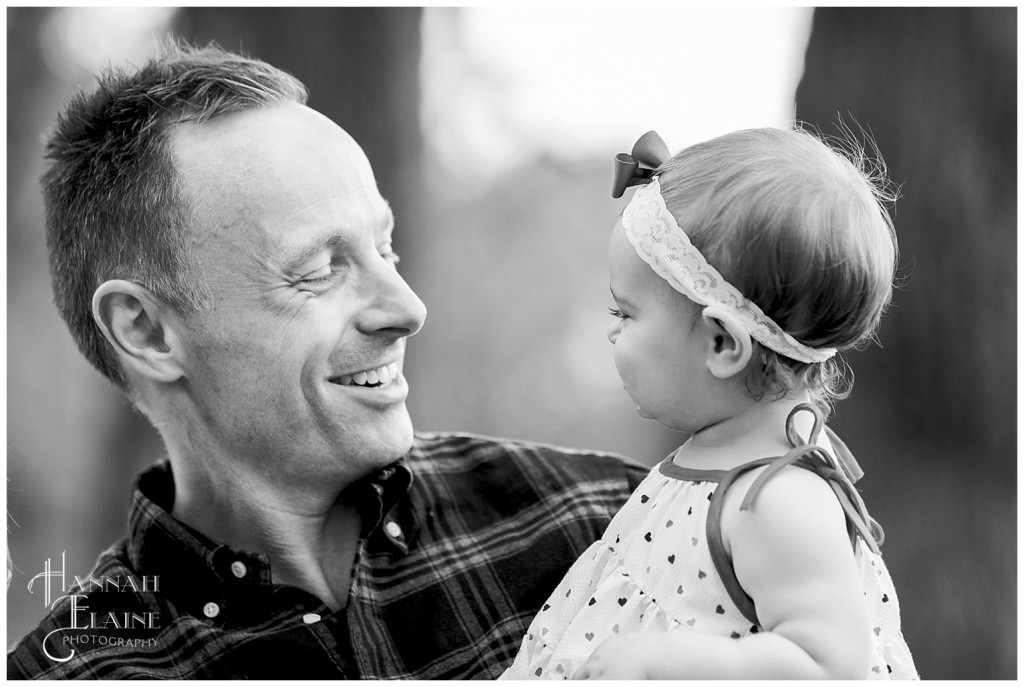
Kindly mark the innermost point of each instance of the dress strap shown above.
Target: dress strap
(716, 547)
(839, 473)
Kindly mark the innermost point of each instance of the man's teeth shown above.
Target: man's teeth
(377, 376)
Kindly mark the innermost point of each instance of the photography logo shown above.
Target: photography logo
(85, 626)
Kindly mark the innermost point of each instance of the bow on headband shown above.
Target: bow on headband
(649, 153)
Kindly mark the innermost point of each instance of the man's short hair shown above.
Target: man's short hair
(114, 206)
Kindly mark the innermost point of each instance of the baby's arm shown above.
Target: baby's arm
(792, 555)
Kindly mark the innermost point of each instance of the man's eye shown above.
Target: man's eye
(615, 312)
(320, 276)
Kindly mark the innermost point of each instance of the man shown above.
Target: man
(221, 253)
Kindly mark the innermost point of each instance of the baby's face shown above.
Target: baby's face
(659, 340)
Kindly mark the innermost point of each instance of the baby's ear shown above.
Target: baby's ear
(729, 344)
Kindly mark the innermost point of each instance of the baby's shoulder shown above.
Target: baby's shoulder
(791, 498)
(787, 482)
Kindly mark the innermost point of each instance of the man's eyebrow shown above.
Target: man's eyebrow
(294, 257)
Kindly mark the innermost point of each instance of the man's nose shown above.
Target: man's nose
(396, 309)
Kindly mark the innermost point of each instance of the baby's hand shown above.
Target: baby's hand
(620, 657)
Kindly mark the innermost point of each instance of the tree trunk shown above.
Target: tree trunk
(934, 409)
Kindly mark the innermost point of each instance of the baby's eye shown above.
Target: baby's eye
(615, 312)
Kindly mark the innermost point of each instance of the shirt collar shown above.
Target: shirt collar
(191, 565)
(379, 496)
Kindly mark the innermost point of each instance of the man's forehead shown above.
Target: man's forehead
(283, 183)
(279, 140)
(268, 157)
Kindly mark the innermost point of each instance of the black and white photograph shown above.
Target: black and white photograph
(512, 342)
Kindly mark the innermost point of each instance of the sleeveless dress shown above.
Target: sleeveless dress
(660, 566)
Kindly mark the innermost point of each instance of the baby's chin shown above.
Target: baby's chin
(667, 423)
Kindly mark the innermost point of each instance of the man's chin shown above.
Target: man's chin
(398, 443)
(387, 441)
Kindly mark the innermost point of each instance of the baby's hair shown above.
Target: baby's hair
(801, 227)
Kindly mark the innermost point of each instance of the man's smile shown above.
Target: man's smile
(372, 378)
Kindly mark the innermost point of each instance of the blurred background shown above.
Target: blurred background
(491, 131)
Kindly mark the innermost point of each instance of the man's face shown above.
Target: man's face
(308, 308)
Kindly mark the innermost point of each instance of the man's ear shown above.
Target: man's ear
(134, 323)
(729, 347)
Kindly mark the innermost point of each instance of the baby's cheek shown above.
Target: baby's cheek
(628, 382)
(620, 355)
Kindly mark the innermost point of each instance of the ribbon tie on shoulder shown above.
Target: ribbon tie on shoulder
(840, 473)
(649, 153)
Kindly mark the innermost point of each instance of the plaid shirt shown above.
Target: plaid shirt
(462, 542)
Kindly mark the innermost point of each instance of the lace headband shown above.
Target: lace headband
(657, 238)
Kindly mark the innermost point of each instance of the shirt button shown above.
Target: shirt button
(211, 610)
(311, 618)
(393, 529)
(238, 569)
